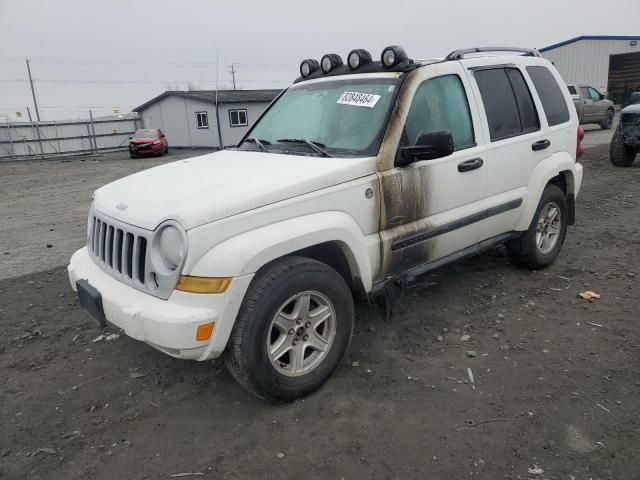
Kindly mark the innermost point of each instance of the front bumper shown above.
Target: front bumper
(150, 150)
(168, 325)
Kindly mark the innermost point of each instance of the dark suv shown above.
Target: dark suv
(625, 143)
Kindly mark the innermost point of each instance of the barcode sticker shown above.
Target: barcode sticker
(358, 99)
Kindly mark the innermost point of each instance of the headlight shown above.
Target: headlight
(330, 61)
(171, 246)
(307, 67)
(358, 58)
(157, 142)
(393, 55)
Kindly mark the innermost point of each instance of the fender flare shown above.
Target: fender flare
(547, 169)
(247, 252)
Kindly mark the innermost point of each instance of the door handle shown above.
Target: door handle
(468, 165)
(540, 145)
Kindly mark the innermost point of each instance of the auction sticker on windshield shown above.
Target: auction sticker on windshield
(358, 99)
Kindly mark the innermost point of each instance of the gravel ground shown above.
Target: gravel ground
(555, 393)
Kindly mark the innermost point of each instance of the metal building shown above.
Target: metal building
(190, 119)
(585, 59)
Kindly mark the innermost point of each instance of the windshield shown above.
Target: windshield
(145, 134)
(341, 117)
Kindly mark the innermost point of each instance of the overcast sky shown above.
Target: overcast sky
(115, 54)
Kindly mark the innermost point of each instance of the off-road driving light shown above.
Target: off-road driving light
(307, 67)
(191, 284)
(393, 55)
(171, 246)
(330, 61)
(358, 58)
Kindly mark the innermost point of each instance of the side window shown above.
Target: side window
(584, 93)
(529, 121)
(572, 90)
(553, 102)
(595, 95)
(441, 104)
(238, 118)
(507, 102)
(202, 120)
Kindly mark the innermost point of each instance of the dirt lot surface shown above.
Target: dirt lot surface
(44, 205)
(557, 389)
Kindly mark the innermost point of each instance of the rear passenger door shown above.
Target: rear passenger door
(589, 112)
(516, 142)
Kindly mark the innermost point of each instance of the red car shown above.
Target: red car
(148, 141)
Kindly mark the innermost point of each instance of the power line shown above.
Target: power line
(142, 82)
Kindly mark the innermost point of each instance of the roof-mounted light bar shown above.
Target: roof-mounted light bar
(358, 58)
(308, 66)
(392, 56)
(330, 61)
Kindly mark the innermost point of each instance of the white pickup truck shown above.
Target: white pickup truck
(356, 179)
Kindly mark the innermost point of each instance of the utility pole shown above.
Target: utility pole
(233, 71)
(33, 92)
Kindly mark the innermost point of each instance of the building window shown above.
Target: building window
(238, 118)
(202, 120)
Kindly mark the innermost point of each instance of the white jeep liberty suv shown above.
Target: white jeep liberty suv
(356, 179)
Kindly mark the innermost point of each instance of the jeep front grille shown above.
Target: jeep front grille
(124, 252)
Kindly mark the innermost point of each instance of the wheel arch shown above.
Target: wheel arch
(333, 238)
(557, 169)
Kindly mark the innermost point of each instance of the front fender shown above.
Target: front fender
(547, 169)
(246, 253)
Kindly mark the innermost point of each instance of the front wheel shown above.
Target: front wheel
(607, 122)
(539, 246)
(620, 155)
(292, 331)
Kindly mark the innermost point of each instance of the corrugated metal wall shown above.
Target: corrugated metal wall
(587, 61)
(30, 139)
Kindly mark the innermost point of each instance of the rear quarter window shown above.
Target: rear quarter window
(553, 102)
(572, 90)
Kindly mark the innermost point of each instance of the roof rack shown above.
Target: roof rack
(459, 54)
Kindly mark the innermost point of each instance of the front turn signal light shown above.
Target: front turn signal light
(204, 331)
(188, 283)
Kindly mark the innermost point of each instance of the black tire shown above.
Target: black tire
(166, 151)
(246, 355)
(131, 155)
(607, 123)
(524, 251)
(620, 155)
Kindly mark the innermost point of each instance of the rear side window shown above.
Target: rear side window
(572, 90)
(553, 102)
(507, 102)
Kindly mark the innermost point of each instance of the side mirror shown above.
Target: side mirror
(130, 137)
(162, 136)
(429, 146)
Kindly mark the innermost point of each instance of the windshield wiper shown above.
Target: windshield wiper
(316, 146)
(260, 143)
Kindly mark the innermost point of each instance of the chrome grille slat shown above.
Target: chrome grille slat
(134, 259)
(119, 249)
(101, 237)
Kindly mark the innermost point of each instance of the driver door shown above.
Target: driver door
(434, 208)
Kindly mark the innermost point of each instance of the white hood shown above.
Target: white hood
(203, 189)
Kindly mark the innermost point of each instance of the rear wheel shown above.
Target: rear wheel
(292, 331)
(607, 122)
(539, 246)
(620, 155)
